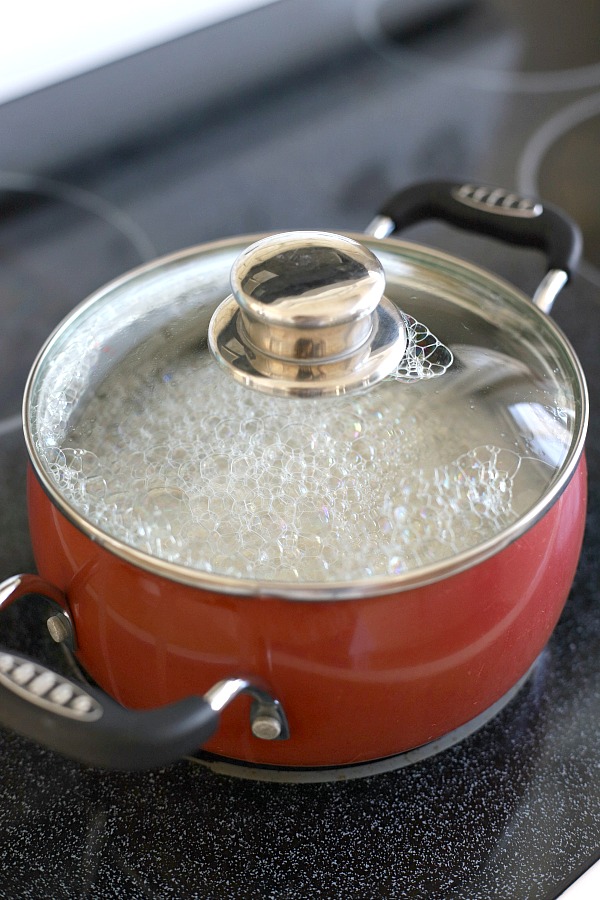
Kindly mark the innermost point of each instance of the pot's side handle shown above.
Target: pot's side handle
(81, 722)
(86, 725)
(491, 211)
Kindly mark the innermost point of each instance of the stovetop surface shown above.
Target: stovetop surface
(499, 92)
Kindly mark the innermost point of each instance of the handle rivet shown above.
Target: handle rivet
(267, 728)
(59, 628)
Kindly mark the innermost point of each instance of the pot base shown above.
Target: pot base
(300, 775)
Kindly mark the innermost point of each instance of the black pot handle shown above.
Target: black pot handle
(490, 211)
(83, 723)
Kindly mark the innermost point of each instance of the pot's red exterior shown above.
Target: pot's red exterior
(359, 679)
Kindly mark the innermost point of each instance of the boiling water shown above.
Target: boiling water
(193, 468)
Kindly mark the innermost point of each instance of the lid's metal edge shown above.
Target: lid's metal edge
(315, 591)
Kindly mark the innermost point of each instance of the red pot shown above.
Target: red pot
(418, 633)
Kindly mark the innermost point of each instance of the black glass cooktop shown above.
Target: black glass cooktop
(497, 92)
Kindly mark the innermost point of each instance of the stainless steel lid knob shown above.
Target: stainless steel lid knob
(307, 317)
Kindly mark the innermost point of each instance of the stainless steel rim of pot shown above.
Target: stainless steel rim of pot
(318, 591)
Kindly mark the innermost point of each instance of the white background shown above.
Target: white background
(45, 41)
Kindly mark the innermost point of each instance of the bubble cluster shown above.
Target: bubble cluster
(425, 355)
(186, 465)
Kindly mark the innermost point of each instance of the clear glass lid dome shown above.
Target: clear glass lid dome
(356, 483)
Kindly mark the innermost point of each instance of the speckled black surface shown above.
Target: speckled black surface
(514, 811)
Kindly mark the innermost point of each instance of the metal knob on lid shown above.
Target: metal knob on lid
(307, 317)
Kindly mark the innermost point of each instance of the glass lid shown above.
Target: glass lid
(197, 433)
